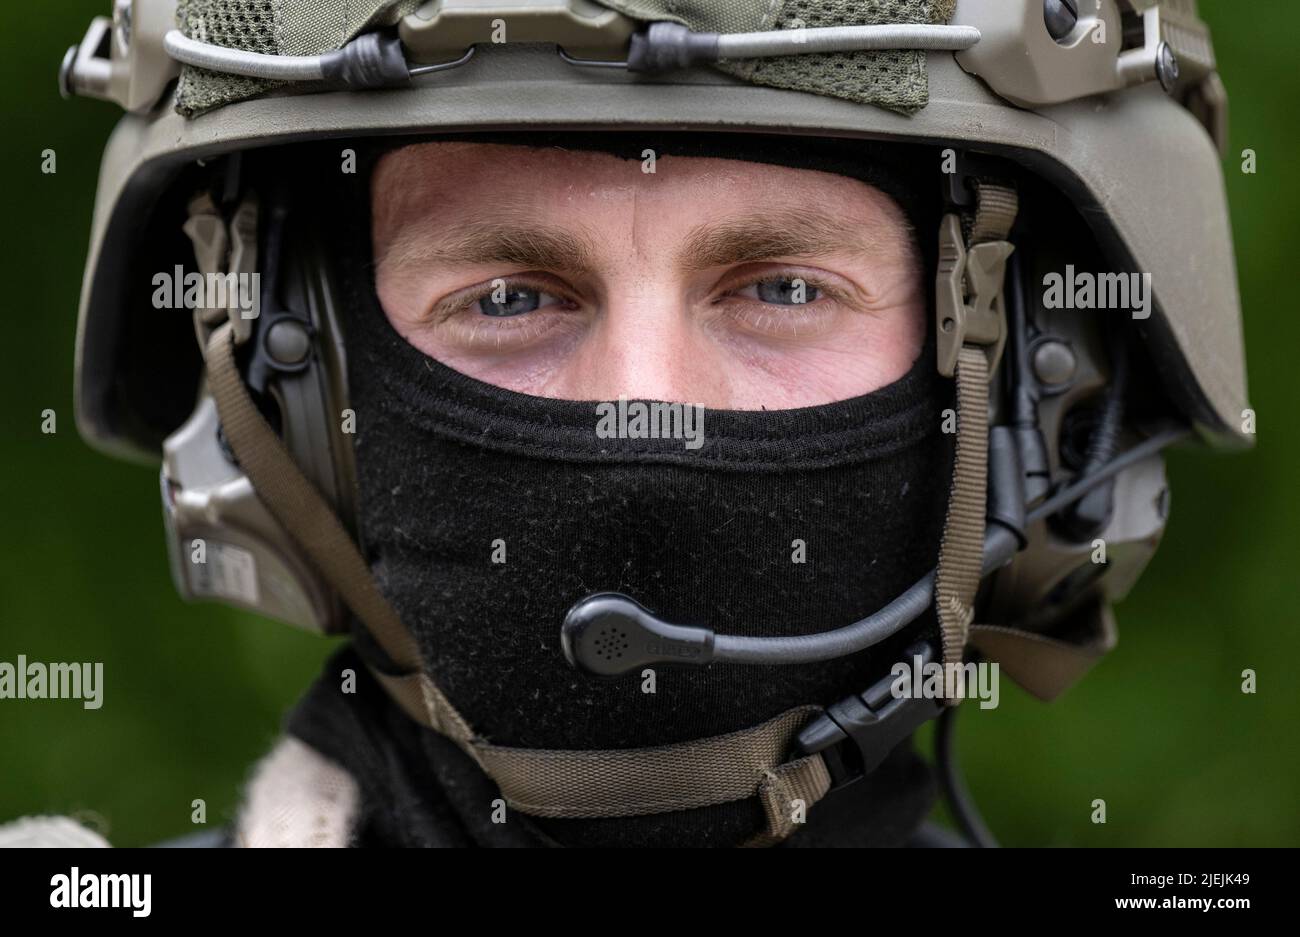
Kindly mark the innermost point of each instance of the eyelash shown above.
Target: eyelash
(767, 318)
(822, 287)
(788, 321)
(473, 325)
(776, 320)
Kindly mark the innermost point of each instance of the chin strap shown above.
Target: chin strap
(971, 332)
(972, 329)
(539, 782)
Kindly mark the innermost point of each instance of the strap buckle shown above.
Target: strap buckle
(856, 734)
(969, 308)
(227, 251)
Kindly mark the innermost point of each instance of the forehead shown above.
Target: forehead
(459, 177)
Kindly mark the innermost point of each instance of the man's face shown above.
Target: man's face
(579, 276)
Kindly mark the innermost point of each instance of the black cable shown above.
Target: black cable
(1024, 408)
(1081, 486)
(963, 808)
(1105, 438)
(1091, 514)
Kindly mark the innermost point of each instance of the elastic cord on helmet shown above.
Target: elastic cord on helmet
(239, 62)
(372, 60)
(846, 39)
(377, 60)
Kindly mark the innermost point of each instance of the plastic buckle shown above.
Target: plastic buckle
(969, 308)
(856, 734)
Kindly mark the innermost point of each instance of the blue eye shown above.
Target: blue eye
(781, 291)
(516, 302)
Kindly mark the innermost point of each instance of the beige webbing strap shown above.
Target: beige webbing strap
(309, 519)
(961, 551)
(787, 793)
(972, 328)
(419, 697)
(296, 503)
(631, 782)
(995, 213)
(539, 782)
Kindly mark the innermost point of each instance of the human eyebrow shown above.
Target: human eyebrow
(763, 236)
(504, 242)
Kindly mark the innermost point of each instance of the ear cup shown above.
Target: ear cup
(311, 394)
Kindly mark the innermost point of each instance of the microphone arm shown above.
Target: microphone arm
(609, 634)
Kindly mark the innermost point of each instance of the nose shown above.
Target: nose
(647, 345)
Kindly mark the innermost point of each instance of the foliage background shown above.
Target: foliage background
(194, 694)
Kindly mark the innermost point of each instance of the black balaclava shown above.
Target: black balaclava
(452, 471)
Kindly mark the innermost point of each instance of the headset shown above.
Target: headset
(295, 365)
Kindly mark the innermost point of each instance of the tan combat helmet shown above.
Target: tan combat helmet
(1099, 123)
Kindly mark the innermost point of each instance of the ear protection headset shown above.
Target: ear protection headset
(223, 542)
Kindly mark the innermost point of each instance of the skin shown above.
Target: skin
(679, 285)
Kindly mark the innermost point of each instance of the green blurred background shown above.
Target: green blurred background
(194, 694)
